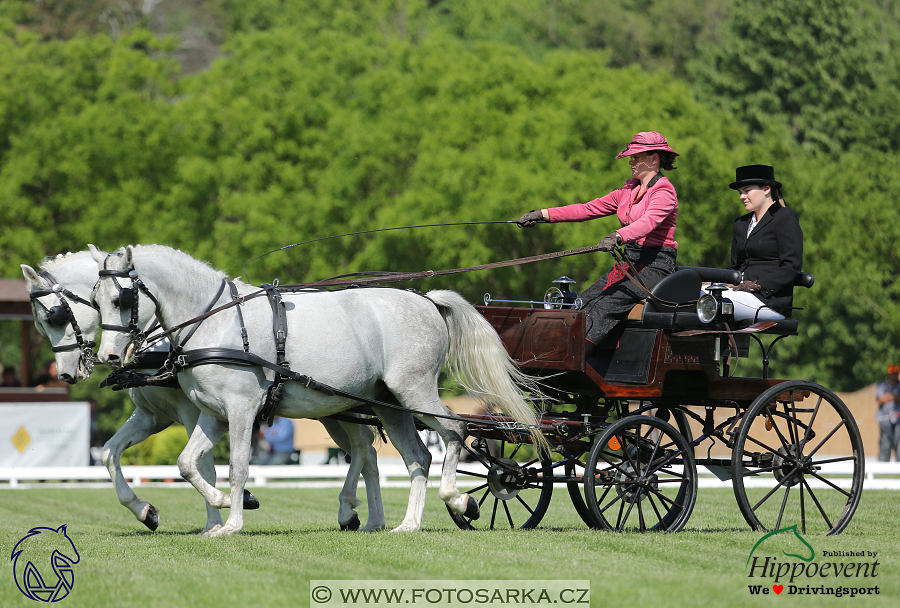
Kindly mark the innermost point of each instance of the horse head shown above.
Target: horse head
(60, 305)
(41, 551)
(122, 310)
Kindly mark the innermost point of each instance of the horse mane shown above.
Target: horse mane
(51, 262)
(188, 259)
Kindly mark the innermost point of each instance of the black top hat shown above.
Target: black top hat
(754, 174)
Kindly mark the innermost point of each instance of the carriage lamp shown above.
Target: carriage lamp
(561, 296)
(712, 306)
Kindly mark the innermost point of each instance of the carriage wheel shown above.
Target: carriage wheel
(573, 468)
(641, 476)
(510, 494)
(786, 443)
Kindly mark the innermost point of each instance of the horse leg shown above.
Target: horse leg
(348, 519)
(240, 430)
(401, 429)
(206, 467)
(424, 400)
(204, 436)
(136, 429)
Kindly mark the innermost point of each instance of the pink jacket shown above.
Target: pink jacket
(648, 221)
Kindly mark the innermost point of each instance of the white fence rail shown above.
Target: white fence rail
(879, 475)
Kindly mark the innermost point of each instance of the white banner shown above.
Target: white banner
(45, 434)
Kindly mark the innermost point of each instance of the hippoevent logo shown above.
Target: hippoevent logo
(42, 564)
(783, 562)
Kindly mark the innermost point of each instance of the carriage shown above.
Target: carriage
(629, 427)
(624, 430)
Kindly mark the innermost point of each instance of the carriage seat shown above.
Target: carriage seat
(785, 326)
(679, 292)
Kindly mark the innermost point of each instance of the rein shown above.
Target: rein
(392, 277)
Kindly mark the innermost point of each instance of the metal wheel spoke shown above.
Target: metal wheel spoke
(481, 487)
(770, 449)
(659, 518)
(772, 491)
(484, 496)
(833, 431)
(819, 506)
(512, 526)
(833, 460)
(513, 453)
(663, 498)
(802, 511)
(617, 497)
(634, 499)
(806, 435)
(603, 496)
(472, 473)
(787, 492)
(524, 504)
(825, 481)
(641, 517)
(494, 513)
(792, 428)
(789, 455)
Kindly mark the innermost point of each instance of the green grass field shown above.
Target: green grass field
(293, 539)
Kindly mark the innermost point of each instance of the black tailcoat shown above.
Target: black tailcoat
(772, 256)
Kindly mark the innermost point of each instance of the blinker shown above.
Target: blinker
(125, 299)
(58, 316)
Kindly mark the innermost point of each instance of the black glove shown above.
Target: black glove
(608, 242)
(530, 219)
(748, 286)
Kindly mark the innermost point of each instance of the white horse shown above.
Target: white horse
(377, 343)
(62, 319)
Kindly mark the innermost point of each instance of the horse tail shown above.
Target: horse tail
(478, 360)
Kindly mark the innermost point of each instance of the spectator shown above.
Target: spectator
(9, 377)
(280, 437)
(887, 395)
(50, 378)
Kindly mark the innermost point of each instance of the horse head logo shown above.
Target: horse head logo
(804, 550)
(40, 552)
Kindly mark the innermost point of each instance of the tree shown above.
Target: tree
(808, 64)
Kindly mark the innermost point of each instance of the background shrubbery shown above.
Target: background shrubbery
(299, 120)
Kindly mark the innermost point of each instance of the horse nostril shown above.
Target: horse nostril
(67, 378)
(112, 360)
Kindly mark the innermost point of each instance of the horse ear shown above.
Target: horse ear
(129, 256)
(98, 255)
(32, 278)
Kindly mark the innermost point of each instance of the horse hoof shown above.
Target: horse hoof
(472, 510)
(152, 518)
(352, 525)
(250, 501)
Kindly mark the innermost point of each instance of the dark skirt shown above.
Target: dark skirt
(609, 300)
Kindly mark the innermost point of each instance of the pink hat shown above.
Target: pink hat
(646, 141)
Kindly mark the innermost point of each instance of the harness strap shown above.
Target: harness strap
(235, 297)
(196, 326)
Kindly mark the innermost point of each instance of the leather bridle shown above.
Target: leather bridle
(61, 315)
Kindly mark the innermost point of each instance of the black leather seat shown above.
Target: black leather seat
(678, 293)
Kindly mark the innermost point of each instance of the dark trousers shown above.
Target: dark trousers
(889, 441)
(608, 301)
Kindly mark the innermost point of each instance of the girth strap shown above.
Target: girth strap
(233, 356)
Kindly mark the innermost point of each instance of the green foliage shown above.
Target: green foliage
(812, 65)
(329, 117)
(165, 447)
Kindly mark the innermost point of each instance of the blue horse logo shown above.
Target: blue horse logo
(39, 552)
